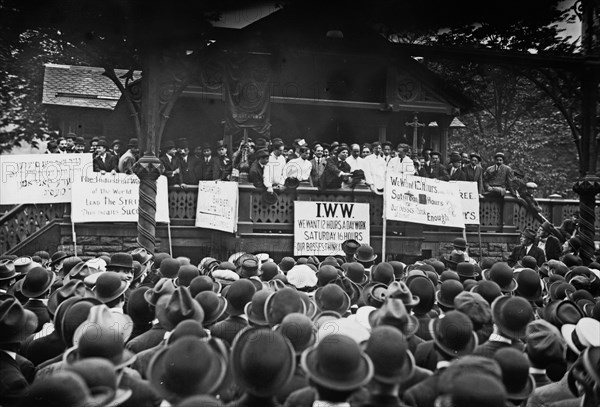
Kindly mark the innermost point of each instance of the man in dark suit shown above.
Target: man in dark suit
(255, 175)
(171, 163)
(548, 243)
(318, 165)
(527, 248)
(456, 172)
(437, 170)
(104, 161)
(188, 164)
(473, 172)
(336, 169)
(208, 166)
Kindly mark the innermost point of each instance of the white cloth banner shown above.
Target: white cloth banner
(114, 198)
(423, 200)
(41, 178)
(320, 228)
(469, 197)
(217, 205)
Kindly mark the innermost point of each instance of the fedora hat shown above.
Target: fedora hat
(560, 290)
(119, 261)
(454, 335)
(365, 254)
(512, 315)
(528, 233)
(422, 287)
(337, 363)
(73, 288)
(399, 290)
(299, 330)
(302, 277)
(140, 254)
(255, 309)
(529, 285)
(519, 383)
(7, 270)
(238, 295)
(449, 289)
(69, 263)
(394, 313)
(138, 308)
(502, 274)
(100, 373)
(164, 286)
(392, 361)
(257, 372)
(177, 307)
(351, 289)
(350, 246)
(187, 367)
(213, 304)
(37, 282)
(332, 298)
(356, 273)
(67, 389)
(373, 294)
(110, 285)
(70, 314)
(281, 303)
(582, 335)
(16, 323)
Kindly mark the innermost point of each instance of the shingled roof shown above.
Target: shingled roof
(80, 86)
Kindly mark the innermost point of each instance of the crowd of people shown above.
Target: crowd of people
(147, 329)
(274, 165)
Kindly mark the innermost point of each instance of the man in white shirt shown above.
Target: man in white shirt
(355, 160)
(273, 173)
(402, 162)
(300, 167)
(374, 167)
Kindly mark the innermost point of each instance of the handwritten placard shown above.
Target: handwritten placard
(41, 178)
(423, 200)
(114, 198)
(217, 205)
(469, 198)
(320, 228)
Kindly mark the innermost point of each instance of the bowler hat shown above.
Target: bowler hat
(177, 307)
(559, 290)
(37, 282)
(79, 141)
(460, 243)
(213, 305)
(350, 246)
(16, 323)
(261, 373)
(299, 330)
(138, 308)
(511, 315)
(268, 270)
(332, 298)
(383, 273)
(356, 273)
(281, 303)
(519, 383)
(187, 367)
(529, 285)
(255, 309)
(466, 270)
(286, 264)
(164, 286)
(326, 274)
(110, 285)
(449, 289)
(489, 290)
(7, 269)
(182, 143)
(475, 155)
(338, 364)
(58, 256)
(186, 274)
(238, 294)
(422, 287)
(66, 389)
(169, 267)
(454, 335)
(388, 349)
(71, 314)
(528, 262)
(120, 260)
(502, 274)
(69, 263)
(132, 143)
(364, 253)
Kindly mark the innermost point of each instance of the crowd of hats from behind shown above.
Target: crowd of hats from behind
(147, 329)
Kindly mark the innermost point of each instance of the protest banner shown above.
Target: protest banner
(114, 198)
(469, 197)
(41, 178)
(422, 200)
(217, 205)
(320, 228)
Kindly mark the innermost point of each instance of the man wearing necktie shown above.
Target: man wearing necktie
(527, 248)
(318, 165)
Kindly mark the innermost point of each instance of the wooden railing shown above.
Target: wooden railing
(496, 215)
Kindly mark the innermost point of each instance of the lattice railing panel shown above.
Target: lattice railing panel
(490, 213)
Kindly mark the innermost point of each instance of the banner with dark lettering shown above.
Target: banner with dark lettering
(320, 228)
(217, 205)
(114, 198)
(41, 178)
(423, 200)
(469, 197)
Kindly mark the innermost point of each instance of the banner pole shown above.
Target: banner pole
(74, 237)
(480, 248)
(384, 236)
(170, 240)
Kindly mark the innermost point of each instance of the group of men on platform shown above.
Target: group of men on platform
(134, 328)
